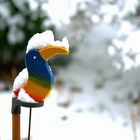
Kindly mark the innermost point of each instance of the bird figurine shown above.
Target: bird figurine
(34, 83)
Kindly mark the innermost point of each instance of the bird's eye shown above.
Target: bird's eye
(34, 57)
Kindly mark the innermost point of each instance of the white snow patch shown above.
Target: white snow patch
(126, 27)
(23, 96)
(15, 35)
(130, 7)
(95, 18)
(128, 63)
(20, 79)
(132, 43)
(126, 52)
(45, 39)
(109, 9)
(117, 43)
(3, 10)
(60, 15)
(18, 84)
(111, 51)
(49, 119)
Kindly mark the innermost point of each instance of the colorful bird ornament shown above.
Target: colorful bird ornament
(34, 83)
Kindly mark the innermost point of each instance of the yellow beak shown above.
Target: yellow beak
(50, 51)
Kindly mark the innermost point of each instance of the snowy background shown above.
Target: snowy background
(97, 94)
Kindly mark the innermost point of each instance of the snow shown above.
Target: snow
(45, 39)
(126, 27)
(16, 20)
(111, 51)
(54, 122)
(3, 10)
(33, 4)
(109, 9)
(102, 113)
(105, 91)
(132, 43)
(92, 113)
(23, 96)
(129, 7)
(95, 18)
(128, 50)
(61, 16)
(20, 79)
(15, 35)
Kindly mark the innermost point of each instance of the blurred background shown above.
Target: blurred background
(97, 87)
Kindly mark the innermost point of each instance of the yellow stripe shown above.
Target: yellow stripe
(37, 92)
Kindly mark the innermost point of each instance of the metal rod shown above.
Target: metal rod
(29, 128)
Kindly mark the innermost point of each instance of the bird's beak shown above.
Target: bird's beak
(50, 51)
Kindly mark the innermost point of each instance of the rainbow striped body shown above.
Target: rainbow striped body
(41, 78)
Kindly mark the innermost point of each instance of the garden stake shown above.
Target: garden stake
(16, 111)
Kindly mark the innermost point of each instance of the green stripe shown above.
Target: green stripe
(40, 81)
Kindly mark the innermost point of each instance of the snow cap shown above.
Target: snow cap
(44, 39)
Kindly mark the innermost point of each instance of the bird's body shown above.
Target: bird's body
(37, 79)
(40, 79)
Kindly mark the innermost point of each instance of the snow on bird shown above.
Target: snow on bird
(34, 83)
(41, 40)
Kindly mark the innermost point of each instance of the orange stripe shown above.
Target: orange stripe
(37, 92)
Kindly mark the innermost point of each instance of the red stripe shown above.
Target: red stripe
(37, 99)
(16, 92)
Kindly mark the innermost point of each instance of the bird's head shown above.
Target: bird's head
(46, 46)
